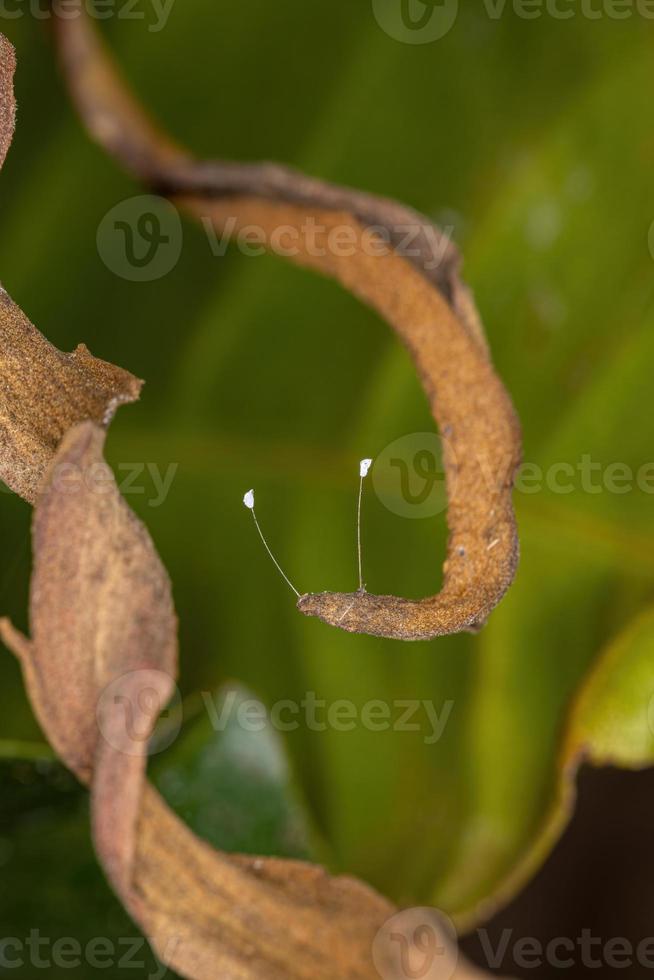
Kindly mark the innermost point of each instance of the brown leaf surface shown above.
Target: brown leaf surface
(425, 302)
(7, 103)
(43, 391)
(470, 406)
(99, 667)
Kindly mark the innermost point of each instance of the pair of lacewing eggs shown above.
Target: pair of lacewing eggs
(248, 500)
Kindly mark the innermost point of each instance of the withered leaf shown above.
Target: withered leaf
(7, 102)
(481, 451)
(103, 642)
(103, 635)
(425, 302)
(76, 590)
(101, 661)
(43, 391)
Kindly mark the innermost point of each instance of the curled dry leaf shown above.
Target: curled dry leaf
(7, 102)
(43, 391)
(424, 300)
(99, 666)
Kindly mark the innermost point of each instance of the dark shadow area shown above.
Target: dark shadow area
(590, 909)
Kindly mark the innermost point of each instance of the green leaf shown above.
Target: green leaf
(580, 384)
(57, 911)
(613, 718)
(229, 780)
(610, 722)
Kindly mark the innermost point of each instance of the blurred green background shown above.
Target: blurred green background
(534, 140)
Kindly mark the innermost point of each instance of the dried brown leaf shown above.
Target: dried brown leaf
(426, 303)
(102, 657)
(482, 444)
(7, 102)
(103, 642)
(116, 120)
(43, 392)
